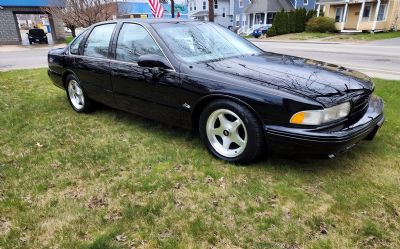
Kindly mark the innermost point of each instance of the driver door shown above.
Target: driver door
(146, 91)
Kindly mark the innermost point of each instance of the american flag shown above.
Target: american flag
(156, 8)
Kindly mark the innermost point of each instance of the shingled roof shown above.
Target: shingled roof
(261, 6)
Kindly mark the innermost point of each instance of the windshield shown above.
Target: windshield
(36, 32)
(200, 41)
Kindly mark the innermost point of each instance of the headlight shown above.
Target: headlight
(317, 117)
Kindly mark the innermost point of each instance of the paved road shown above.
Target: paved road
(21, 57)
(377, 59)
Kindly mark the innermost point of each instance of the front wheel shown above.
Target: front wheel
(78, 99)
(231, 132)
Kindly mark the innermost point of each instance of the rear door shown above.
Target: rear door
(139, 89)
(93, 68)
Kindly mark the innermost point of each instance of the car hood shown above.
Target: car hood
(306, 77)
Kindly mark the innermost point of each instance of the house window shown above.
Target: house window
(259, 18)
(241, 3)
(382, 12)
(366, 12)
(237, 24)
(204, 5)
(339, 14)
(270, 17)
(305, 2)
(223, 12)
(215, 4)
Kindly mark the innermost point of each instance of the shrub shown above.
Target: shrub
(322, 24)
(280, 23)
(292, 22)
(300, 20)
(271, 31)
(310, 14)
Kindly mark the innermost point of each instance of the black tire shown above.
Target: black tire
(88, 105)
(255, 135)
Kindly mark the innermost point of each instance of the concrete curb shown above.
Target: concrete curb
(18, 48)
(296, 41)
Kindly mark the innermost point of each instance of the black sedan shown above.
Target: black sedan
(37, 36)
(198, 75)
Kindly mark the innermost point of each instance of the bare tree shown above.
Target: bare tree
(211, 10)
(82, 13)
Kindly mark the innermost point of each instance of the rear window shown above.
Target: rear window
(36, 32)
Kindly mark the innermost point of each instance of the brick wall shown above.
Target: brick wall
(8, 28)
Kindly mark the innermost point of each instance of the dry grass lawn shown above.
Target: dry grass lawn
(114, 180)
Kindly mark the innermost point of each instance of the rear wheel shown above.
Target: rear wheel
(231, 132)
(77, 97)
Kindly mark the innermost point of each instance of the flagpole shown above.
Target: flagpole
(172, 9)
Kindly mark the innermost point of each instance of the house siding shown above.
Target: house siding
(392, 20)
(218, 13)
(238, 11)
(300, 4)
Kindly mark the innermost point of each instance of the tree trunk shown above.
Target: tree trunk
(172, 9)
(72, 28)
(211, 10)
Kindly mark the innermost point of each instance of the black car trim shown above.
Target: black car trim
(318, 136)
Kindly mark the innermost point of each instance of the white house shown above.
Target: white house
(223, 11)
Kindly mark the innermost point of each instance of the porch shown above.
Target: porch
(261, 13)
(356, 15)
(253, 21)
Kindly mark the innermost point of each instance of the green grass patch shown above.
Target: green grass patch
(370, 36)
(114, 180)
(345, 37)
(68, 39)
(309, 36)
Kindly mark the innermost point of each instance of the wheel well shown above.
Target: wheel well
(207, 100)
(64, 78)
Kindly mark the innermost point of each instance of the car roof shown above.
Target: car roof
(150, 21)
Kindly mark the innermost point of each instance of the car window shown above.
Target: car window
(195, 42)
(134, 41)
(74, 48)
(98, 41)
(36, 32)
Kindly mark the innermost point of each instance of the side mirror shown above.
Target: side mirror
(153, 60)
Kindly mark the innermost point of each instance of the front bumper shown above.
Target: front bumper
(289, 140)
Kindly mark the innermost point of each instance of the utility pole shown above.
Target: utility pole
(172, 8)
(211, 10)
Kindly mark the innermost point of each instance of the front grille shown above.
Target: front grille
(359, 105)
